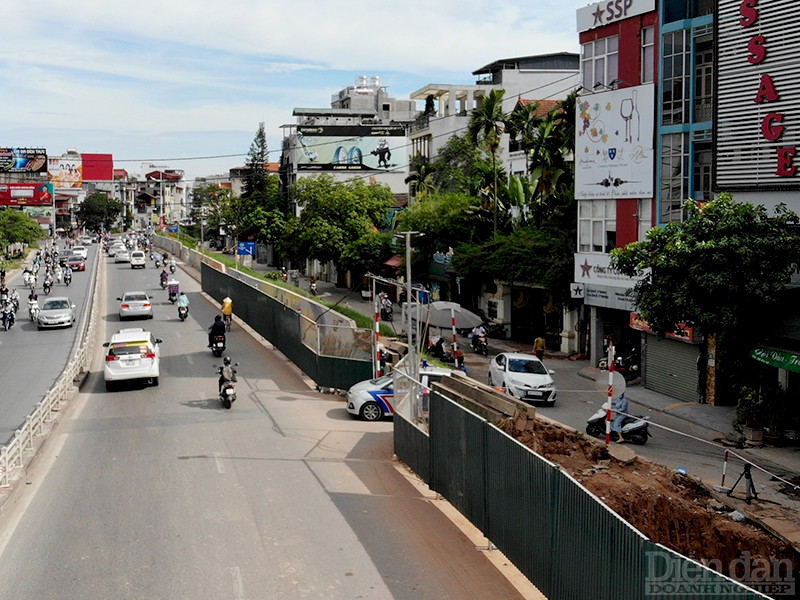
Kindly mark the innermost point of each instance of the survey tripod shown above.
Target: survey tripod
(749, 488)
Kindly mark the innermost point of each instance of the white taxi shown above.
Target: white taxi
(132, 354)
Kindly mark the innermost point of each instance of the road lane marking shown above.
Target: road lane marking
(218, 461)
(238, 587)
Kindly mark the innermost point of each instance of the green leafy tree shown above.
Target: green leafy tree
(18, 228)
(447, 220)
(527, 254)
(487, 124)
(461, 167)
(98, 210)
(367, 253)
(725, 263)
(333, 215)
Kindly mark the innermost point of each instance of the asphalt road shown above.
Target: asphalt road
(159, 492)
(32, 360)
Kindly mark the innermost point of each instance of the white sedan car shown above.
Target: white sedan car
(522, 376)
(132, 354)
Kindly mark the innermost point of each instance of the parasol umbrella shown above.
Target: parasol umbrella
(441, 314)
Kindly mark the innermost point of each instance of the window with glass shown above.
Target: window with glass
(597, 225)
(648, 37)
(678, 10)
(600, 63)
(702, 171)
(704, 80)
(674, 176)
(675, 66)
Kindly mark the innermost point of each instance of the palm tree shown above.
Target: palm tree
(523, 125)
(487, 123)
(421, 177)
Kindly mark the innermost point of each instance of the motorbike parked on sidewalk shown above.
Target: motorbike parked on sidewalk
(627, 366)
(634, 429)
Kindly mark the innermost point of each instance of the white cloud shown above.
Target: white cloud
(131, 70)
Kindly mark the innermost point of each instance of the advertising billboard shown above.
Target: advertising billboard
(352, 148)
(23, 160)
(614, 144)
(26, 194)
(97, 167)
(757, 96)
(65, 172)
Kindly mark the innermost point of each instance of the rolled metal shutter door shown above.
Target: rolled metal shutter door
(671, 368)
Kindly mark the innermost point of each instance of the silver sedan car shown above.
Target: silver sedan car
(57, 311)
(135, 304)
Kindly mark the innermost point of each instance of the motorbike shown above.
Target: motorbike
(173, 292)
(218, 345)
(171, 268)
(26, 278)
(67, 279)
(158, 263)
(480, 344)
(634, 429)
(313, 288)
(627, 366)
(33, 309)
(387, 314)
(183, 312)
(46, 288)
(227, 388)
(8, 316)
(163, 283)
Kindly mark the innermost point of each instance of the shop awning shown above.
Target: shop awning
(780, 359)
(394, 262)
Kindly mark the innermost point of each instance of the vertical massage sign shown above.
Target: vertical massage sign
(758, 113)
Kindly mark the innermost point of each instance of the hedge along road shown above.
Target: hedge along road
(162, 493)
(32, 360)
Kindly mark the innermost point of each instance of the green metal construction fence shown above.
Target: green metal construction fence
(331, 354)
(562, 538)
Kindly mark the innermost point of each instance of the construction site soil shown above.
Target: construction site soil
(672, 509)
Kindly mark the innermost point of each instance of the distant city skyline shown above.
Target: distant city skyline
(184, 84)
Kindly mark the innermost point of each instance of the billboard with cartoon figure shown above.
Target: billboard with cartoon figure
(351, 148)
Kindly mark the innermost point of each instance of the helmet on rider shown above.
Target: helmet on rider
(226, 361)
(218, 318)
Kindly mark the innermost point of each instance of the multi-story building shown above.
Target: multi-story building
(614, 164)
(448, 106)
(362, 134)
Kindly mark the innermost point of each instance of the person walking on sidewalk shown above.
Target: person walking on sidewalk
(538, 347)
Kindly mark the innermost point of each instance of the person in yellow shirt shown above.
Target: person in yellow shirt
(227, 312)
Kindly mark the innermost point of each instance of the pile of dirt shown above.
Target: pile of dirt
(675, 510)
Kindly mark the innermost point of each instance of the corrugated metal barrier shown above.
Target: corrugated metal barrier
(559, 535)
(333, 356)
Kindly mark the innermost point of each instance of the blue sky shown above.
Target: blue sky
(174, 82)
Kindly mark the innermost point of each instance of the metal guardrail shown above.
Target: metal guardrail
(14, 454)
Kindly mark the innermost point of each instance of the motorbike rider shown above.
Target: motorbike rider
(227, 309)
(172, 264)
(227, 372)
(217, 328)
(183, 300)
(620, 405)
(477, 333)
(68, 274)
(164, 277)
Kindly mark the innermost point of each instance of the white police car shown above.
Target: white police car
(373, 399)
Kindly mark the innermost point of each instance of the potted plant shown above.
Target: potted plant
(750, 414)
